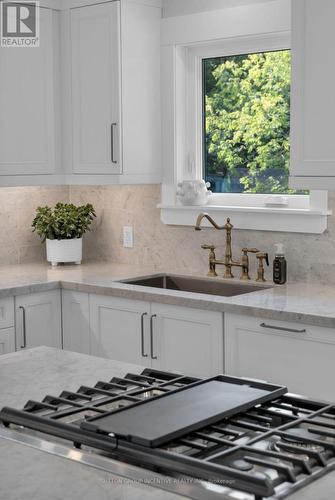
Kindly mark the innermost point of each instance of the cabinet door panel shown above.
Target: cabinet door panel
(27, 103)
(116, 329)
(6, 312)
(95, 88)
(303, 361)
(313, 82)
(187, 340)
(7, 340)
(76, 321)
(39, 316)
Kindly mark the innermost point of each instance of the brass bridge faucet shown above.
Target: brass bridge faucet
(228, 260)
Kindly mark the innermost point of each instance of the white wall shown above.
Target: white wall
(173, 8)
(256, 18)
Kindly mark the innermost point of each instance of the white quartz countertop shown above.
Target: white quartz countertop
(308, 303)
(36, 475)
(30, 474)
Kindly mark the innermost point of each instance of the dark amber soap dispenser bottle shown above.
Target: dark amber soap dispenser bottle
(279, 265)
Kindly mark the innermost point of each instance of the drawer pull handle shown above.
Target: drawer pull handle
(152, 336)
(282, 329)
(142, 335)
(24, 327)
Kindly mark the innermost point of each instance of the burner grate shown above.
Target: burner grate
(269, 450)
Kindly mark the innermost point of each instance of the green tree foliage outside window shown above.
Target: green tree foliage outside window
(247, 122)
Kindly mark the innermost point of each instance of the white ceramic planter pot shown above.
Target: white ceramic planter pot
(61, 251)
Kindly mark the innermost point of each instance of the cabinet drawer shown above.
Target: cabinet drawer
(299, 331)
(6, 312)
(292, 354)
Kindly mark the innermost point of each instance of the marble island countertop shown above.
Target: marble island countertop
(35, 475)
(29, 473)
(308, 303)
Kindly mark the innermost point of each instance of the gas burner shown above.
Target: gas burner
(295, 443)
(241, 464)
(303, 433)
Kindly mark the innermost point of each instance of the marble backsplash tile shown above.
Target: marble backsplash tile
(18, 244)
(310, 257)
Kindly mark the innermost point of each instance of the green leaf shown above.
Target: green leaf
(64, 221)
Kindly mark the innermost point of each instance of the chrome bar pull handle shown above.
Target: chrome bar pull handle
(113, 125)
(152, 336)
(24, 327)
(282, 329)
(142, 335)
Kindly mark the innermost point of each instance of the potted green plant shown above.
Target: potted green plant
(62, 227)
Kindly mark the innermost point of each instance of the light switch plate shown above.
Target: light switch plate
(128, 237)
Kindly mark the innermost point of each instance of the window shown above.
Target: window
(226, 119)
(246, 113)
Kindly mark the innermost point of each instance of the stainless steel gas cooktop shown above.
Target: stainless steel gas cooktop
(223, 437)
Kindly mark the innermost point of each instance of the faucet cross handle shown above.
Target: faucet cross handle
(212, 259)
(261, 256)
(245, 262)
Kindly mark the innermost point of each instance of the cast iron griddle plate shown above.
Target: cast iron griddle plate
(158, 421)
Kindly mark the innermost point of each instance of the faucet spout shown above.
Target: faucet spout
(209, 218)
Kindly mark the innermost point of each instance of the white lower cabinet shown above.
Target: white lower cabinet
(293, 354)
(117, 328)
(186, 340)
(7, 340)
(76, 321)
(7, 331)
(163, 337)
(38, 320)
(6, 312)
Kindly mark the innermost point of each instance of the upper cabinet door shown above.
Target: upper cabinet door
(313, 97)
(27, 104)
(95, 40)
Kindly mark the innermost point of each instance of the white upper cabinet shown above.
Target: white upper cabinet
(84, 107)
(28, 93)
(95, 49)
(141, 82)
(313, 101)
(112, 114)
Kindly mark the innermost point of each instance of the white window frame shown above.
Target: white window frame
(291, 213)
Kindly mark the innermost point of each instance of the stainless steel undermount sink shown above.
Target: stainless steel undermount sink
(197, 285)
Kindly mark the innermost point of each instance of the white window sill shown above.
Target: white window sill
(293, 220)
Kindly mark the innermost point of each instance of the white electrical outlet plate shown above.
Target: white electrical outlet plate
(128, 237)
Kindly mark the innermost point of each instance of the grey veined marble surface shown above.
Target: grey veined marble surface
(29, 474)
(308, 303)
